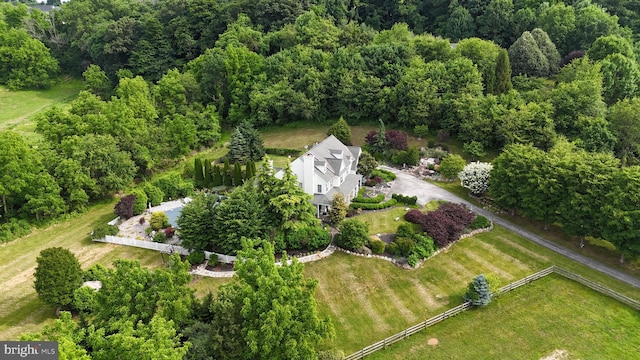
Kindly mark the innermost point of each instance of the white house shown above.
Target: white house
(326, 169)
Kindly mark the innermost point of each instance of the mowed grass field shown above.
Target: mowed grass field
(370, 299)
(550, 316)
(20, 309)
(19, 107)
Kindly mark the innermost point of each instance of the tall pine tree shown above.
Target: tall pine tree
(217, 176)
(198, 174)
(503, 73)
(237, 174)
(227, 178)
(208, 178)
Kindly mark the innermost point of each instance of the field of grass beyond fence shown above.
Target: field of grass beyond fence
(552, 315)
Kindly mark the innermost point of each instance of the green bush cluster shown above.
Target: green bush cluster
(282, 151)
(308, 237)
(413, 259)
(196, 257)
(403, 199)
(374, 200)
(386, 175)
(411, 244)
(367, 206)
(377, 246)
(480, 222)
(14, 229)
(104, 230)
(159, 220)
(159, 237)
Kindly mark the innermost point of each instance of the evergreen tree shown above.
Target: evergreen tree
(227, 178)
(250, 170)
(57, 276)
(198, 174)
(503, 73)
(255, 145)
(217, 176)
(526, 58)
(208, 179)
(238, 147)
(341, 131)
(338, 209)
(237, 174)
(548, 48)
(478, 292)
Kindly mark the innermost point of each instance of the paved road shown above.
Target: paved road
(408, 184)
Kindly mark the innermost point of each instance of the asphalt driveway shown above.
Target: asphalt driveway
(410, 185)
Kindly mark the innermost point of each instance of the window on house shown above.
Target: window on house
(319, 188)
(300, 184)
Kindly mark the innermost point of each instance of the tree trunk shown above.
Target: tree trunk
(581, 241)
(622, 258)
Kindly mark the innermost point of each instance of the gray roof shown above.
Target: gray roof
(336, 155)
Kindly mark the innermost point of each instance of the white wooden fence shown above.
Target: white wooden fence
(382, 344)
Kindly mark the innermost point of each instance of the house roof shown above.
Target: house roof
(336, 155)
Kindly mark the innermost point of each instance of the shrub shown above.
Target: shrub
(104, 230)
(173, 186)
(412, 260)
(458, 213)
(397, 139)
(405, 230)
(441, 228)
(196, 257)
(96, 272)
(154, 194)
(374, 200)
(339, 209)
(392, 248)
(124, 207)
(478, 292)
(354, 233)
(367, 206)
(14, 229)
(451, 166)
(375, 180)
(386, 175)
(341, 130)
(421, 131)
(405, 246)
(282, 152)
(213, 260)
(424, 246)
(169, 232)
(480, 222)
(331, 354)
(148, 230)
(476, 177)
(140, 201)
(159, 220)
(159, 237)
(408, 157)
(317, 237)
(408, 200)
(377, 246)
(415, 216)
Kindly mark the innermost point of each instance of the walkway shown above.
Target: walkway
(408, 184)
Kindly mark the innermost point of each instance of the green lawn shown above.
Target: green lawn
(384, 221)
(370, 299)
(551, 314)
(19, 107)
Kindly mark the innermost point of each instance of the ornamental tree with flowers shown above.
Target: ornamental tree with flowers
(475, 177)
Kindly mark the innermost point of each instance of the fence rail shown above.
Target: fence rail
(166, 248)
(465, 306)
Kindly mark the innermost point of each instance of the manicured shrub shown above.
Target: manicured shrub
(415, 216)
(405, 246)
(367, 206)
(124, 207)
(375, 180)
(159, 237)
(377, 246)
(386, 175)
(282, 152)
(392, 248)
(159, 220)
(196, 257)
(408, 200)
(374, 200)
(480, 222)
(478, 292)
(104, 230)
(451, 166)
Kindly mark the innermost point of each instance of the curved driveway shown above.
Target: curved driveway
(408, 184)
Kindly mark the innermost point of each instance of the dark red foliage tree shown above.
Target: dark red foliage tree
(371, 137)
(124, 207)
(397, 139)
(435, 224)
(457, 213)
(576, 54)
(169, 232)
(415, 216)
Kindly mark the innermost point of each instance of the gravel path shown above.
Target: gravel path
(410, 185)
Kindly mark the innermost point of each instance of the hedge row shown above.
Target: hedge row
(385, 174)
(282, 151)
(373, 200)
(367, 206)
(403, 199)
